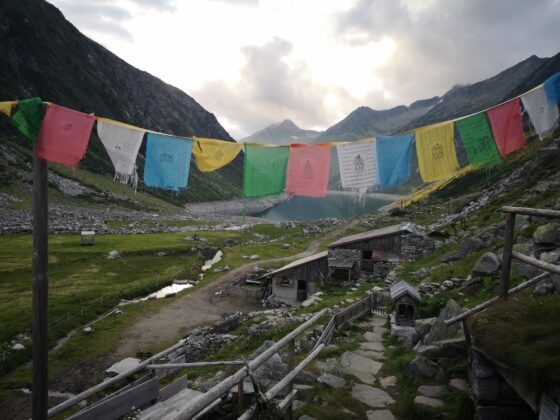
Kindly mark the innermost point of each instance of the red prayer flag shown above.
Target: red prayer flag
(507, 127)
(308, 170)
(64, 135)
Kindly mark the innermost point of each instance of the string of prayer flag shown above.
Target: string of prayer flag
(28, 117)
(122, 144)
(213, 154)
(435, 147)
(393, 159)
(308, 170)
(64, 135)
(358, 165)
(167, 162)
(507, 126)
(264, 170)
(543, 113)
(478, 140)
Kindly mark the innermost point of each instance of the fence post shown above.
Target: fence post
(291, 354)
(506, 260)
(240, 396)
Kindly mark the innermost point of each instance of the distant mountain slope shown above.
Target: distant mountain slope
(42, 54)
(464, 100)
(366, 122)
(285, 132)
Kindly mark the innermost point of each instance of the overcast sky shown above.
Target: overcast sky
(257, 62)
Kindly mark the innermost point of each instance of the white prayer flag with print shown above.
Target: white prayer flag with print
(122, 143)
(358, 164)
(543, 114)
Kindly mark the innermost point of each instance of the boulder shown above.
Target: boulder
(449, 349)
(440, 331)
(459, 384)
(547, 234)
(423, 326)
(18, 347)
(113, 255)
(469, 245)
(254, 257)
(423, 367)
(230, 243)
(406, 335)
(371, 396)
(550, 257)
(487, 265)
(544, 287)
(331, 380)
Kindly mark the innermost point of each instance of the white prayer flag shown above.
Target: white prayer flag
(122, 144)
(358, 165)
(543, 114)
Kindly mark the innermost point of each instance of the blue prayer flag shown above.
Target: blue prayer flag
(552, 88)
(393, 159)
(167, 162)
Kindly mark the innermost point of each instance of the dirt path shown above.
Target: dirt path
(202, 305)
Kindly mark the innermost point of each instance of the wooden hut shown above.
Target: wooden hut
(405, 299)
(298, 280)
(371, 251)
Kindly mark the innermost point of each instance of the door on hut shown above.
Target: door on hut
(301, 290)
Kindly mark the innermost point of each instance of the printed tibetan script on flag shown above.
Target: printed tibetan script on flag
(308, 170)
(358, 164)
(64, 135)
(167, 162)
(435, 147)
(478, 140)
(264, 171)
(213, 154)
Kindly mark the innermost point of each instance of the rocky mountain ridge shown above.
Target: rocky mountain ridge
(285, 132)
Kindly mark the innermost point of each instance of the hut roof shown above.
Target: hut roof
(299, 262)
(372, 234)
(403, 288)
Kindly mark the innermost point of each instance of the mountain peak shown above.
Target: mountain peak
(284, 132)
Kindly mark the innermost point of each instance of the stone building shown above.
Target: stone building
(374, 251)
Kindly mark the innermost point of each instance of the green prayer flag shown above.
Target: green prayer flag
(264, 171)
(29, 116)
(479, 141)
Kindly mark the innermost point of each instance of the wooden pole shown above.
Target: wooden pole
(532, 212)
(551, 268)
(40, 351)
(290, 387)
(506, 260)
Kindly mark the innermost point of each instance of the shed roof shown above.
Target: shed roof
(377, 233)
(299, 262)
(403, 288)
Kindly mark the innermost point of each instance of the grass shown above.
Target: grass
(524, 334)
(84, 283)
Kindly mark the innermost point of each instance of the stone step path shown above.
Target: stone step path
(365, 364)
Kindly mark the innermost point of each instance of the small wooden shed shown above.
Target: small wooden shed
(87, 237)
(296, 281)
(406, 300)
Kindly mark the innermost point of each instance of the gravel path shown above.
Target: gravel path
(200, 306)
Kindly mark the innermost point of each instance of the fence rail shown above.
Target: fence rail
(509, 254)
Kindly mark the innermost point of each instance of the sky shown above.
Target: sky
(257, 62)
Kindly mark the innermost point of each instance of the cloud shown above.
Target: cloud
(239, 2)
(167, 5)
(440, 43)
(272, 86)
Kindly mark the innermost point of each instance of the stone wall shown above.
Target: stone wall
(381, 269)
(342, 255)
(414, 246)
(493, 397)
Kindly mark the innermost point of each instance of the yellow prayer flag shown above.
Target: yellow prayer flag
(6, 107)
(212, 154)
(435, 148)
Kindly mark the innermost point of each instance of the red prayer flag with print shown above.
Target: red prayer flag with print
(64, 135)
(507, 127)
(308, 170)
